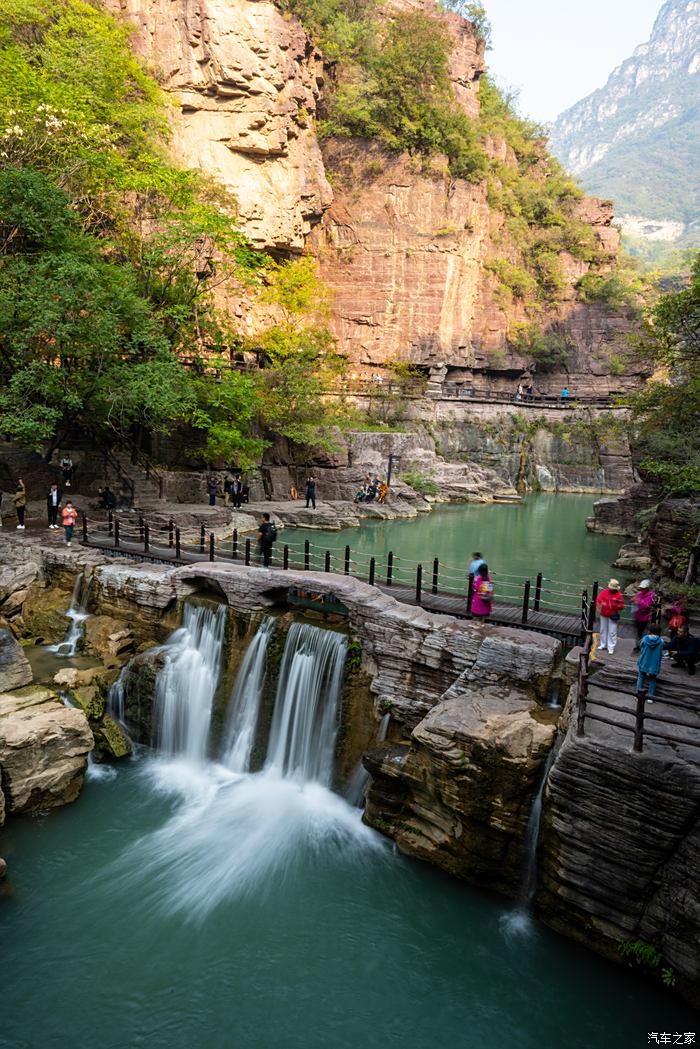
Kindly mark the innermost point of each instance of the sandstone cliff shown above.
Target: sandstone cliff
(405, 248)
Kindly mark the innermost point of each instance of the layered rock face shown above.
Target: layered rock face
(44, 747)
(621, 846)
(244, 82)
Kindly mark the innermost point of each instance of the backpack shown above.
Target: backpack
(272, 534)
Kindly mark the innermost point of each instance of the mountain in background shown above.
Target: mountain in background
(637, 140)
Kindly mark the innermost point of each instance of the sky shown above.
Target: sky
(555, 52)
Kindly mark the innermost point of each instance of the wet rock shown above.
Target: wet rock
(110, 639)
(43, 750)
(3, 864)
(15, 671)
(44, 613)
(110, 740)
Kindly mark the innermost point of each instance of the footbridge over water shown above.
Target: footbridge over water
(560, 609)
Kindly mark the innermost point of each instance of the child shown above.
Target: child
(649, 664)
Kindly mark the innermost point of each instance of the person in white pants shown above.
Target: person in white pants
(610, 603)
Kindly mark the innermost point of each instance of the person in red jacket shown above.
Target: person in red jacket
(610, 604)
(69, 517)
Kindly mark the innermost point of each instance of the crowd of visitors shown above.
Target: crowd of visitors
(372, 488)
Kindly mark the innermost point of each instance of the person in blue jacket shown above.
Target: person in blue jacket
(649, 664)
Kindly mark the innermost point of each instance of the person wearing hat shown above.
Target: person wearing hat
(610, 603)
(643, 602)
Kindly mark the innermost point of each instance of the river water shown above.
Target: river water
(185, 903)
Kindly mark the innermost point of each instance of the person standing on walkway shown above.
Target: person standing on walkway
(267, 533)
(20, 501)
(643, 602)
(311, 491)
(482, 594)
(53, 505)
(610, 603)
(69, 519)
(649, 662)
(237, 491)
(476, 562)
(212, 487)
(228, 489)
(67, 470)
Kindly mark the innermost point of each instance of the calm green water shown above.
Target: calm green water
(339, 944)
(544, 533)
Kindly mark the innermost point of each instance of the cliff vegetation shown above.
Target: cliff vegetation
(111, 254)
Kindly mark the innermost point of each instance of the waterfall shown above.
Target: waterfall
(186, 685)
(77, 615)
(302, 737)
(115, 696)
(532, 836)
(356, 789)
(244, 706)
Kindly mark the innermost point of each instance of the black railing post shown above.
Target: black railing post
(436, 570)
(372, 569)
(171, 533)
(327, 565)
(146, 538)
(285, 558)
(247, 551)
(116, 533)
(234, 545)
(526, 600)
(110, 523)
(592, 607)
(470, 594)
(419, 583)
(85, 529)
(639, 722)
(306, 555)
(202, 538)
(347, 561)
(389, 568)
(211, 546)
(538, 593)
(177, 544)
(141, 523)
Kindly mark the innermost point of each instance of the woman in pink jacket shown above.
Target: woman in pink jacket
(610, 603)
(482, 594)
(643, 602)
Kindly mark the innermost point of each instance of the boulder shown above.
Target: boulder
(15, 671)
(44, 747)
(111, 640)
(16, 577)
(633, 557)
(44, 613)
(110, 740)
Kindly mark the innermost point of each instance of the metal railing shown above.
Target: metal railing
(548, 605)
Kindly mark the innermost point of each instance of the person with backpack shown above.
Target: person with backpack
(69, 519)
(237, 491)
(212, 489)
(649, 663)
(609, 603)
(482, 594)
(267, 534)
(643, 602)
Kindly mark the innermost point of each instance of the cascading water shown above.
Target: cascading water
(234, 832)
(359, 780)
(77, 615)
(186, 685)
(244, 707)
(302, 737)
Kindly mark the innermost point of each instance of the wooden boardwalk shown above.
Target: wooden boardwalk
(566, 626)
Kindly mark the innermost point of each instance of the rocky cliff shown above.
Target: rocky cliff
(636, 139)
(405, 248)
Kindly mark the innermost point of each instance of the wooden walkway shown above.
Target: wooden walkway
(565, 626)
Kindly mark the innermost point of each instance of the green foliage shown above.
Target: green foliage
(548, 350)
(647, 956)
(617, 290)
(420, 483)
(515, 277)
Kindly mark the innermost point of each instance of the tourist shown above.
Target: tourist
(482, 593)
(109, 499)
(565, 394)
(529, 390)
(311, 491)
(649, 662)
(69, 518)
(67, 470)
(20, 501)
(684, 650)
(610, 603)
(383, 492)
(237, 491)
(519, 392)
(476, 563)
(212, 489)
(53, 504)
(267, 534)
(677, 617)
(643, 602)
(228, 489)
